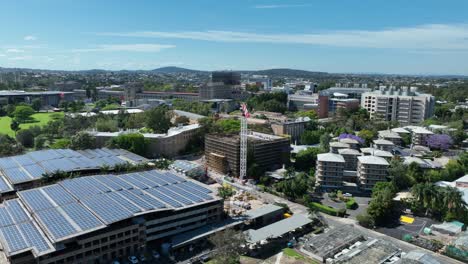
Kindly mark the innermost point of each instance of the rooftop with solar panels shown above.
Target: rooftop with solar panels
(33, 165)
(41, 218)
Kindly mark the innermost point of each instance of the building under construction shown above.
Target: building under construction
(222, 152)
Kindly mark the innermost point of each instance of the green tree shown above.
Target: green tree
(325, 142)
(398, 173)
(9, 146)
(107, 124)
(36, 104)
(226, 192)
(61, 143)
(14, 125)
(306, 159)
(228, 244)
(311, 137)
(40, 141)
(158, 119)
(82, 140)
(133, 142)
(367, 135)
(25, 137)
(382, 208)
(23, 113)
(9, 109)
(228, 126)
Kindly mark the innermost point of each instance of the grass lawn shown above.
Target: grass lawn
(41, 120)
(294, 254)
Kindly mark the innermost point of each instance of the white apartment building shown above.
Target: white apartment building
(370, 170)
(405, 105)
(329, 170)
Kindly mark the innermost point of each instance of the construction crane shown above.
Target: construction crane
(243, 142)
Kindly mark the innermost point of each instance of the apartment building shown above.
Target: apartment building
(370, 170)
(404, 105)
(389, 135)
(335, 146)
(384, 144)
(419, 135)
(97, 219)
(329, 170)
(350, 156)
(222, 152)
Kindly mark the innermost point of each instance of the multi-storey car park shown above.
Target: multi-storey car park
(97, 219)
(30, 170)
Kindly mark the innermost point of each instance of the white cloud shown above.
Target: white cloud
(14, 50)
(433, 36)
(279, 6)
(2, 55)
(20, 58)
(128, 47)
(30, 38)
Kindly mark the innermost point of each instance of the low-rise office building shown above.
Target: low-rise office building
(292, 128)
(170, 144)
(48, 98)
(98, 219)
(303, 102)
(370, 170)
(329, 170)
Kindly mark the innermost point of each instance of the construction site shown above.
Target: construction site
(222, 152)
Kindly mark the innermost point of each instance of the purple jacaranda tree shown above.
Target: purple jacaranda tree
(345, 135)
(439, 141)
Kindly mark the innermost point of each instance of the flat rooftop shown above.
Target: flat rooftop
(41, 217)
(278, 229)
(264, 210)
(372, 251)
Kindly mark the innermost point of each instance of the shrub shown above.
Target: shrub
(351, 204)
(365, 220)
(324, 209)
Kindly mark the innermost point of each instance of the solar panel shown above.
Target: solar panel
(35, 200)
(122, 183)
(130, 178)
(17, 212)
(153, 177)
(163, 197)
(6, 163)
(35, 170)
(13, 238)
(5, 218)
(197, 187)
(84, 162)
(171, 193)
(187, 188)
(24, 160)
(97, 184)
(109, 182)
(78, 188)
(4, 186)
(17, 175)
(107, 209)
(174, 177)
(124, 202)
(55, 223)
(140, 177)
(140, 200)
(34, 238)
(161, 177)
(147, 197)
(102, 153)
(184, 193)
(44, 155)
(58, 194)
(82, 216)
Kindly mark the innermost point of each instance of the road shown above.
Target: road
(334, 222)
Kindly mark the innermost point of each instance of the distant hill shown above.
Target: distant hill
(285, 72)
(172, 69)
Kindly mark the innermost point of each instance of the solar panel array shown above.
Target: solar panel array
(50, 214)
(33, 165)
(18, 232)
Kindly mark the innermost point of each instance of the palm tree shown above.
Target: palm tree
(453, 200)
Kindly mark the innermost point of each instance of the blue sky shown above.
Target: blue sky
(409, 37)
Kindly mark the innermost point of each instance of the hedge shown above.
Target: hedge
(351, 204)
(327, 209)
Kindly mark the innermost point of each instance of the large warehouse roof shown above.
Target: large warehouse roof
(32, 166)
(41, 217)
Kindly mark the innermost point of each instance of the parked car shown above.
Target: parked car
(133, 259)
(155, 254)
